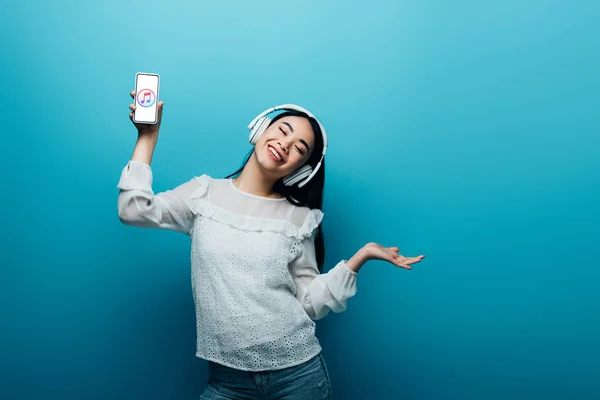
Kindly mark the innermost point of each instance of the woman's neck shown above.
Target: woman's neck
(253, 182)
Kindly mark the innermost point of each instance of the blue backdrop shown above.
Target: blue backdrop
(466, 131)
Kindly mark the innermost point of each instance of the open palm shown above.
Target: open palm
(375, 251)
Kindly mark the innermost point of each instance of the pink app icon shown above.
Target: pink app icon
(146, 97)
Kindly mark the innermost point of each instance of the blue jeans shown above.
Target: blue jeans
(309, 380)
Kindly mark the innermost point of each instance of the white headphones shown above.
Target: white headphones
(259, 124)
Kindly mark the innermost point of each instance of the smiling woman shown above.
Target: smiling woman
(257, 256)
(307, 148)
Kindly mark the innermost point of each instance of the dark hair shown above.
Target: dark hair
(311, 194)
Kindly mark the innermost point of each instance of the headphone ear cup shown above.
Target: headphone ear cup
(254, 130)
(260, 126)
(298, 175)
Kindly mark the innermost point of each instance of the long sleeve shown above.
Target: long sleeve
(319, 293)
(139, 206)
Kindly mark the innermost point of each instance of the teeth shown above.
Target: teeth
(274, 153)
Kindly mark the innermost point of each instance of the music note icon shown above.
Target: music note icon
(145, 98)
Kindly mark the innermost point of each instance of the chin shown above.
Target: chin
(267, 164)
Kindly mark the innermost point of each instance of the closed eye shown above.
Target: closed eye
(297, 148)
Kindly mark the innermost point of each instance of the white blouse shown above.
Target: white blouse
(255, 282)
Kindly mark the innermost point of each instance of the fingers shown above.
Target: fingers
(399, 261)
(132, 108)
(405, 262)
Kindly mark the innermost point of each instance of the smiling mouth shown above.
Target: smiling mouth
(275, 154)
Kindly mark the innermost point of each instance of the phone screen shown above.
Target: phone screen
(146, 98)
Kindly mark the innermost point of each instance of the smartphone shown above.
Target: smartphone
(146, 98)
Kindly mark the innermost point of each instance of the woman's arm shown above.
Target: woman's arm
(144, 147)
(320, 293)
(137, 204)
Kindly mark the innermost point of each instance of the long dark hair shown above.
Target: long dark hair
(311, 194)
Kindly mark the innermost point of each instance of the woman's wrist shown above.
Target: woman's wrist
(356, 262)
(144, 148)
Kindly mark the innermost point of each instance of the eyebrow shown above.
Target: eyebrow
(289, 126)
(301, 140)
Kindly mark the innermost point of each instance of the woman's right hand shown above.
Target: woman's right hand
(146, 128)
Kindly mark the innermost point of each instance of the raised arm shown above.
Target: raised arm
(137, 204)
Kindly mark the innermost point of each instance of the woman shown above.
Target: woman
(257, 254)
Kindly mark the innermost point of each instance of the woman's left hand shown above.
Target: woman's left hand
(375, 251)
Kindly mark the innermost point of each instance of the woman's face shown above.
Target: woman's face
(285, 146)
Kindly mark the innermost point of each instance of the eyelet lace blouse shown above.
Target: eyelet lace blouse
(255, 282)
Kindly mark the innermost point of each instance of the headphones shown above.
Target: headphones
(259, 124)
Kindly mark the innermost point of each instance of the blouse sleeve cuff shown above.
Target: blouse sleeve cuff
(342, 283)
(348, 269)
(136, 176)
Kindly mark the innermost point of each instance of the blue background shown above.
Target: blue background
(466, 131)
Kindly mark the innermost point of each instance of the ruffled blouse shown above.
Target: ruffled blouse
(255, 282)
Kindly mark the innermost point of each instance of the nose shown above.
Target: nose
(283, 144)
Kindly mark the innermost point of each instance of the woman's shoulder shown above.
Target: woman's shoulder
(305, 217)
(207, 180)
(203, 184)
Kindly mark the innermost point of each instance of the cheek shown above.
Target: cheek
(265, 137)
(297, 161)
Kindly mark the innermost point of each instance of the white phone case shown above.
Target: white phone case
(146, 98)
